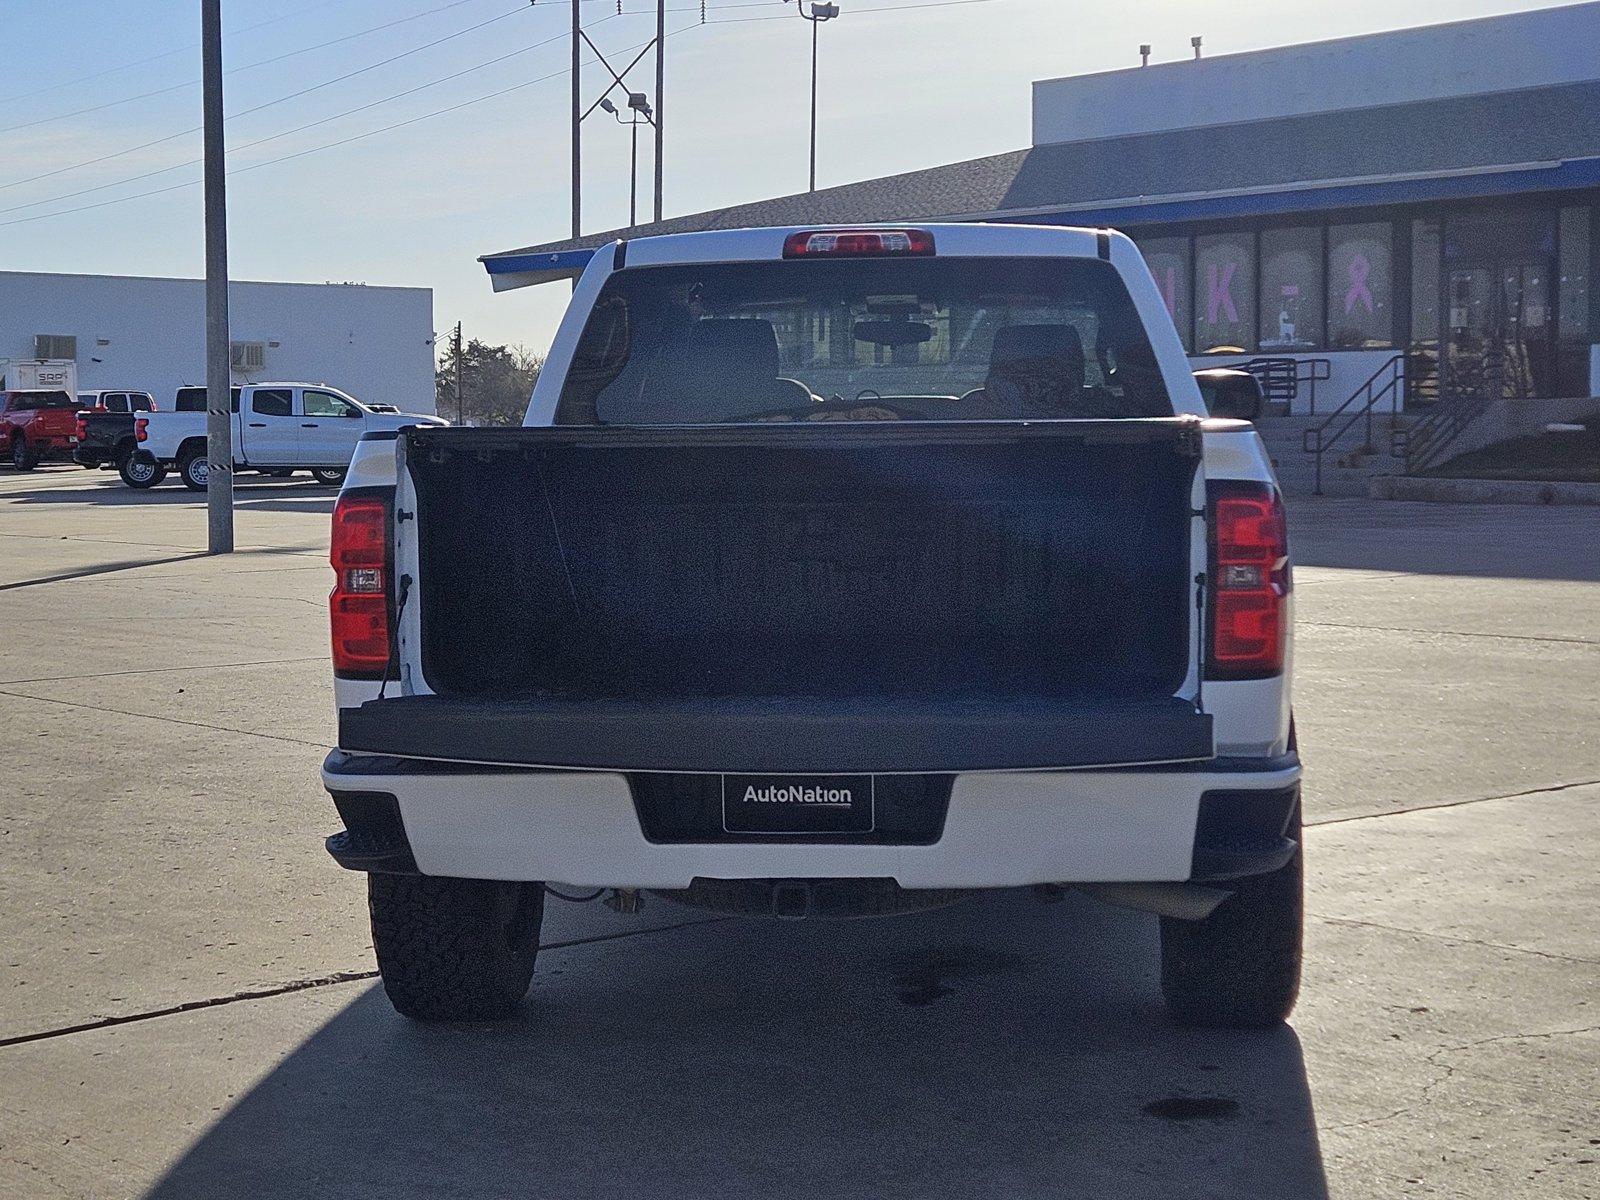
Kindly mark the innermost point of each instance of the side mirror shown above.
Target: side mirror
(1231, 393)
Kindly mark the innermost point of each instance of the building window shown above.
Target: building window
(1572, 377)
(1225, 293)
(1169, 261)
(1291, 289)
(1422, 363)
(1360, 286)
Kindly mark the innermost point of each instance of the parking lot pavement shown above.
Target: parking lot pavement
(190, 1012)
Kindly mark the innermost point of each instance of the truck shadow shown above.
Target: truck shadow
(1003, 1048)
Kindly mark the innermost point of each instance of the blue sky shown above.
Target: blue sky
(416, 205)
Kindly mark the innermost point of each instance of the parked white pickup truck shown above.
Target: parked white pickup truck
(277, 428)
(833, 572)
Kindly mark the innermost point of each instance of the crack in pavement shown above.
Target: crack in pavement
(1400, 812)
(1510, 637)
(1447, 937)
(118, 712)
(263, 662)
(302, 985)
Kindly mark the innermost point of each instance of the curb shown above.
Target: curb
(1483, 491)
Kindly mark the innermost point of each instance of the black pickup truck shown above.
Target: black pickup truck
(107, 436)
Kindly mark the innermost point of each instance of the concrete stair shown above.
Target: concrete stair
(1346, 469)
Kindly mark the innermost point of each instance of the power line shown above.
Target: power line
(517, 87)
(270, 103)
(140, 62)
(349, 112)
(189, 83)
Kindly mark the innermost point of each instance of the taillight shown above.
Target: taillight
(1249, 581)
(81, 428)
(141, 429)
(358, 607)
(865, 243)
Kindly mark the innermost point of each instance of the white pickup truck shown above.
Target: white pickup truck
(833, 572)
(278, 428)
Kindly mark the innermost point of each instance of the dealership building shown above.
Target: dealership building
(148, 334)
(1419, 208)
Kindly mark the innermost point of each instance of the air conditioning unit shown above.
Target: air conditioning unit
(55, 346)
(247, 356)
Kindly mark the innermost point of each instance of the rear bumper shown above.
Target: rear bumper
(1001, 829)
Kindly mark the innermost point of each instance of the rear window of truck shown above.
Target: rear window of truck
(863, 339)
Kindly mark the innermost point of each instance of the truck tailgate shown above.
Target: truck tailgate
(893, 596)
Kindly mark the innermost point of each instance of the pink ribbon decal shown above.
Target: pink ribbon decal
(1219, 292)
(1357, 274)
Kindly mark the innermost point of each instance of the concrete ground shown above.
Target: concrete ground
(187, 1007)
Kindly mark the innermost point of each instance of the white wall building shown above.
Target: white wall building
(148, 333)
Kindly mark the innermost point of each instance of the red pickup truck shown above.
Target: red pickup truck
(37, 425)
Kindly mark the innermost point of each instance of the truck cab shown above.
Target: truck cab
(832, 572)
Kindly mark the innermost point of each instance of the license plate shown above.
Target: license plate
(781, 804)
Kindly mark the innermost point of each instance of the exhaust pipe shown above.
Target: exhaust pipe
(1184, 901)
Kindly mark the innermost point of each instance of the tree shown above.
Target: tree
(496, 382)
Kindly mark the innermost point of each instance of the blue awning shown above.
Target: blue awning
(508, 271)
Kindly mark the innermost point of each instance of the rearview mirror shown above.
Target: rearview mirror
(1229, 392)
(893, 333)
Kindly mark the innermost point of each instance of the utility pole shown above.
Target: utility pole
(219, 390)
(577, 136)
(456, 346)
(661, 93)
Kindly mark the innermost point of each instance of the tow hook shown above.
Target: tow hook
(625, 900)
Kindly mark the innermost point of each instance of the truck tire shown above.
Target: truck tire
(454, 949)
(1240, 967)
(328, 476)
(139, 470)
(194, 470)
(22, 458)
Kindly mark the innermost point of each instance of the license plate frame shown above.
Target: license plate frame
(801, 805)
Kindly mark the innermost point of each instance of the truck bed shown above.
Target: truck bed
(885, 596)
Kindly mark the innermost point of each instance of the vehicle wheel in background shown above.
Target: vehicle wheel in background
(139, 470)
(330, 476)
(1240, 967)
(454, 949)
(22, 458)
(196, 471)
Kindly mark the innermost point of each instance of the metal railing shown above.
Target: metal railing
(1387, 380)
(1424, 443)
(1282, 378)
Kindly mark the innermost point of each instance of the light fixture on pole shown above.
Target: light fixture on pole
(639, 108)
(818, 14)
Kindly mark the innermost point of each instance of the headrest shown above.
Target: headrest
(747, 347)
(1032, 343)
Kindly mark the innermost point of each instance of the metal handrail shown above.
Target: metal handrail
(1316, 440)
(1275, 372)
(1424, 442)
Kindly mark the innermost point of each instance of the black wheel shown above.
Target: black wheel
(454, 949)
(328, 476)
(139, 470)
(195, 470)
(1240, 967)
(22, 458)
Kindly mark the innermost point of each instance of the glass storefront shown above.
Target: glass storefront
(1225, 293)
(1484, 300)
(1291, 289)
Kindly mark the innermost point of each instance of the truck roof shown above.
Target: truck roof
(755, 244)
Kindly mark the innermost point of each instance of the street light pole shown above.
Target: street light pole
(219, 381)
(639, 114)
(818, 14)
